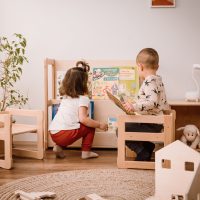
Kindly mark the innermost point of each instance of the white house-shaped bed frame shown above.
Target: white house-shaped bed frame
(177, 173)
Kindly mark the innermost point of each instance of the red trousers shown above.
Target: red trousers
(66, 137)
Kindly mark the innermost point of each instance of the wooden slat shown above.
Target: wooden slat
(23, 128)
(49, 61)
(140, 136)
(24, 112)
(141, 118)
(25, 153)
(136, 164)
(2, 135)
(183, 103)
(64, 65)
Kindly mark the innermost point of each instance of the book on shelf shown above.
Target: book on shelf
(118, 102)
(54, 110)
(91, 109)
(112, 124)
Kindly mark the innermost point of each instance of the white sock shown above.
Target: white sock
(59, 151)
(57, 148)
(89, 154)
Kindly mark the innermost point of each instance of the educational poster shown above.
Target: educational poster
(128, 82)
(105, 79)
(119, 81)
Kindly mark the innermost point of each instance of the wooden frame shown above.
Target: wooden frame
(51, 67)
(37, 128)
(166, 137)
(8, 130)
(162, 3)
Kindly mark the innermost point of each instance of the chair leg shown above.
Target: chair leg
(7, 163)
(8, 154)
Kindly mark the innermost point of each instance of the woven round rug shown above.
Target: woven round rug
(111, 184)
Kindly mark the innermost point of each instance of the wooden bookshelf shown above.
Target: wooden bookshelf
(103, 108)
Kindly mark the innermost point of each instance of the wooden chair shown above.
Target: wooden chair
(21, 128)
(6, 140)
(166, 137)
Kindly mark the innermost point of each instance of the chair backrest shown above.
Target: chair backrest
(168, 121)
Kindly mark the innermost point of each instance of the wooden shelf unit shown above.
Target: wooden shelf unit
(103, 108)
(186, 113)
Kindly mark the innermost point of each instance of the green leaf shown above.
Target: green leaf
(18, 50)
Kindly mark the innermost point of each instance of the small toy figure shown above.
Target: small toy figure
(191, 136)
(34, 195)
(92, 197)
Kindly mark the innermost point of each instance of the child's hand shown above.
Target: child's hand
(103, 126)
(128, 106)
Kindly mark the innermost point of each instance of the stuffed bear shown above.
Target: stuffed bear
(191, 136)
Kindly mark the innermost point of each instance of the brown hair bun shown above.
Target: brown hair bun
(82, 64)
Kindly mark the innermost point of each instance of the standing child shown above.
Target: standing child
(72, 121)
(151, 100)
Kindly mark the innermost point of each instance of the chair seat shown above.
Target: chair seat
(23, 128)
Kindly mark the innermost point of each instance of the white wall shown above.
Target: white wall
(104, 29)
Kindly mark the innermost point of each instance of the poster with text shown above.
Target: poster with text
(104, 79)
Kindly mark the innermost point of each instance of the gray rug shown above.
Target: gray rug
(112, 184)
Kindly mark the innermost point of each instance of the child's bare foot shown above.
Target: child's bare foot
(89, 154)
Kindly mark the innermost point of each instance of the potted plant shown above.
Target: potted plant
(12, 58)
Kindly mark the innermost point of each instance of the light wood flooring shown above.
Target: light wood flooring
(24, 167)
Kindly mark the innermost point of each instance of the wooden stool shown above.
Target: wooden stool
(8, 130)
(166, 137)
(37, 127)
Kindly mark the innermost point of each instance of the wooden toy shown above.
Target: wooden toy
(34, 195)
(92, 197)
(177, 173)
(191, 135)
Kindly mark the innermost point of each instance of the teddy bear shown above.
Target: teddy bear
(191, 136)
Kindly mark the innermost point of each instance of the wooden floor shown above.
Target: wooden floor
(24, 167)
